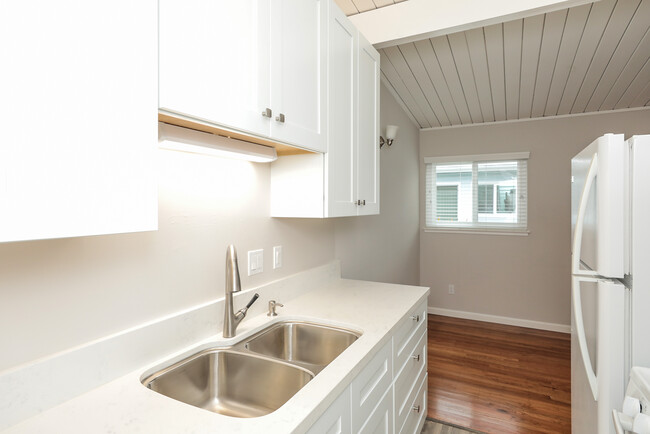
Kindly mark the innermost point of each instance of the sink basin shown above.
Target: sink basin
(302, 342)
(230, 382)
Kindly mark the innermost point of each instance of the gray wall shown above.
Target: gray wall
(513, 276)
(56, 294)
(385, 247)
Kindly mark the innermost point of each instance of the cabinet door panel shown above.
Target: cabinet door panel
(78, 113)
(298, 72)
(341, 135)
(214, 61)
(368, 125)
(336, 419)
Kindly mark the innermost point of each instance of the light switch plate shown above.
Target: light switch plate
(255, 261)
(277, 257)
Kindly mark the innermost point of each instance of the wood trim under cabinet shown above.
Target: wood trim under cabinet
(280, 148)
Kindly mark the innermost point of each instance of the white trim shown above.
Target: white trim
(428, 19)
(510, 121)
(478, 157)
(560, 328)
(478, 231)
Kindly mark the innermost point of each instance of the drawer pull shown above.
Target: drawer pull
(416, 358)
(416, 409)
(415, 318)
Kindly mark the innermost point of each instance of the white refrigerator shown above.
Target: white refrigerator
(610, 283)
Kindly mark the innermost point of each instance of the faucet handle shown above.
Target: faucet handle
(253, 300)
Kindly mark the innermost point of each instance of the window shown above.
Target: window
(477, 192)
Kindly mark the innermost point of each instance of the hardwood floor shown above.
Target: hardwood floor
(433, 427)
(499, 379)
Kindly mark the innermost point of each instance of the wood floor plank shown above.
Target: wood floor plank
(498, 379)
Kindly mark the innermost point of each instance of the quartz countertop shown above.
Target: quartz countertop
(124, 405)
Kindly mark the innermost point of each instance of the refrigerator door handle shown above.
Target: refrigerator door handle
(580, 220)
(580, 332)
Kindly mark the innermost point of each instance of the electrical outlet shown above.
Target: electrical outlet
(255, 261)
(452, 290)
(277, 257)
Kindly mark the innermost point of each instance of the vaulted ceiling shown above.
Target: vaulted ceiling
(587, 58)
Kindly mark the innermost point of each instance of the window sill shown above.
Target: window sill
(480, 231)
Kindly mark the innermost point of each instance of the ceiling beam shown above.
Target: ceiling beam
(414, 20)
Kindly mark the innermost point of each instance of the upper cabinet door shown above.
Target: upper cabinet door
(341, 185)
(78, 115)
(298, 72)
(368, 128)
(214, 62)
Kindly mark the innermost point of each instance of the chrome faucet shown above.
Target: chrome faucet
(233, 284)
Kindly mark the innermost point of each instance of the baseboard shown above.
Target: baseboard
(562, 328)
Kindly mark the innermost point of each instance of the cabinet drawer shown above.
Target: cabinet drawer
(336, 419)
(406, 382)
(416, 319)
(370, 385)
(417, 410)
(381, 420)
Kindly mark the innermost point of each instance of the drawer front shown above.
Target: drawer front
(407, 381)
(415, 320)
(417, 410)
(381, 420)
(369, 386)
(336, 419)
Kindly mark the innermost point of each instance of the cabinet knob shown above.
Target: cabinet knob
(416, 358)
(280, 118)
(363, 202)
(416, 408)
(415, 318)
(267, 113)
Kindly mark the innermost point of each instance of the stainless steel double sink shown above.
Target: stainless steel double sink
(257, 375)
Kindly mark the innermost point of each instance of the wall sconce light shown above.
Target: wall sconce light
(198, 142)
(391, 133)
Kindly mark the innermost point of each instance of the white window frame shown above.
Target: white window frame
(473, 227)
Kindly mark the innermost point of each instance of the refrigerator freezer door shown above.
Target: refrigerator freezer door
(597, 353)
(597, 205)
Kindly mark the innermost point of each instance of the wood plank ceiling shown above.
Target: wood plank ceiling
(588, 58)
(353, 7)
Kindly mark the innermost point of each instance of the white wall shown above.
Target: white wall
(56, 294)
(385, 247)
(517, 277)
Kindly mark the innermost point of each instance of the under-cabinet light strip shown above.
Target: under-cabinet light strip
(187, 140)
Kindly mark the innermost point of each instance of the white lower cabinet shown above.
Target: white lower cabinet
(381, 420)
(336, 419)
(417, 408)
(370, 385)
(386, 397)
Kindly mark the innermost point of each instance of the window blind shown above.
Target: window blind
(477, 192)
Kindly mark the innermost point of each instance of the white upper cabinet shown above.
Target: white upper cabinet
(255, 66)
(298, 72)
(341, 158)
(368, 129)
(78, 115)
(345, 180)
(214, 62)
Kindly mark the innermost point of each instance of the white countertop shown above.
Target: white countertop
(126, 406)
